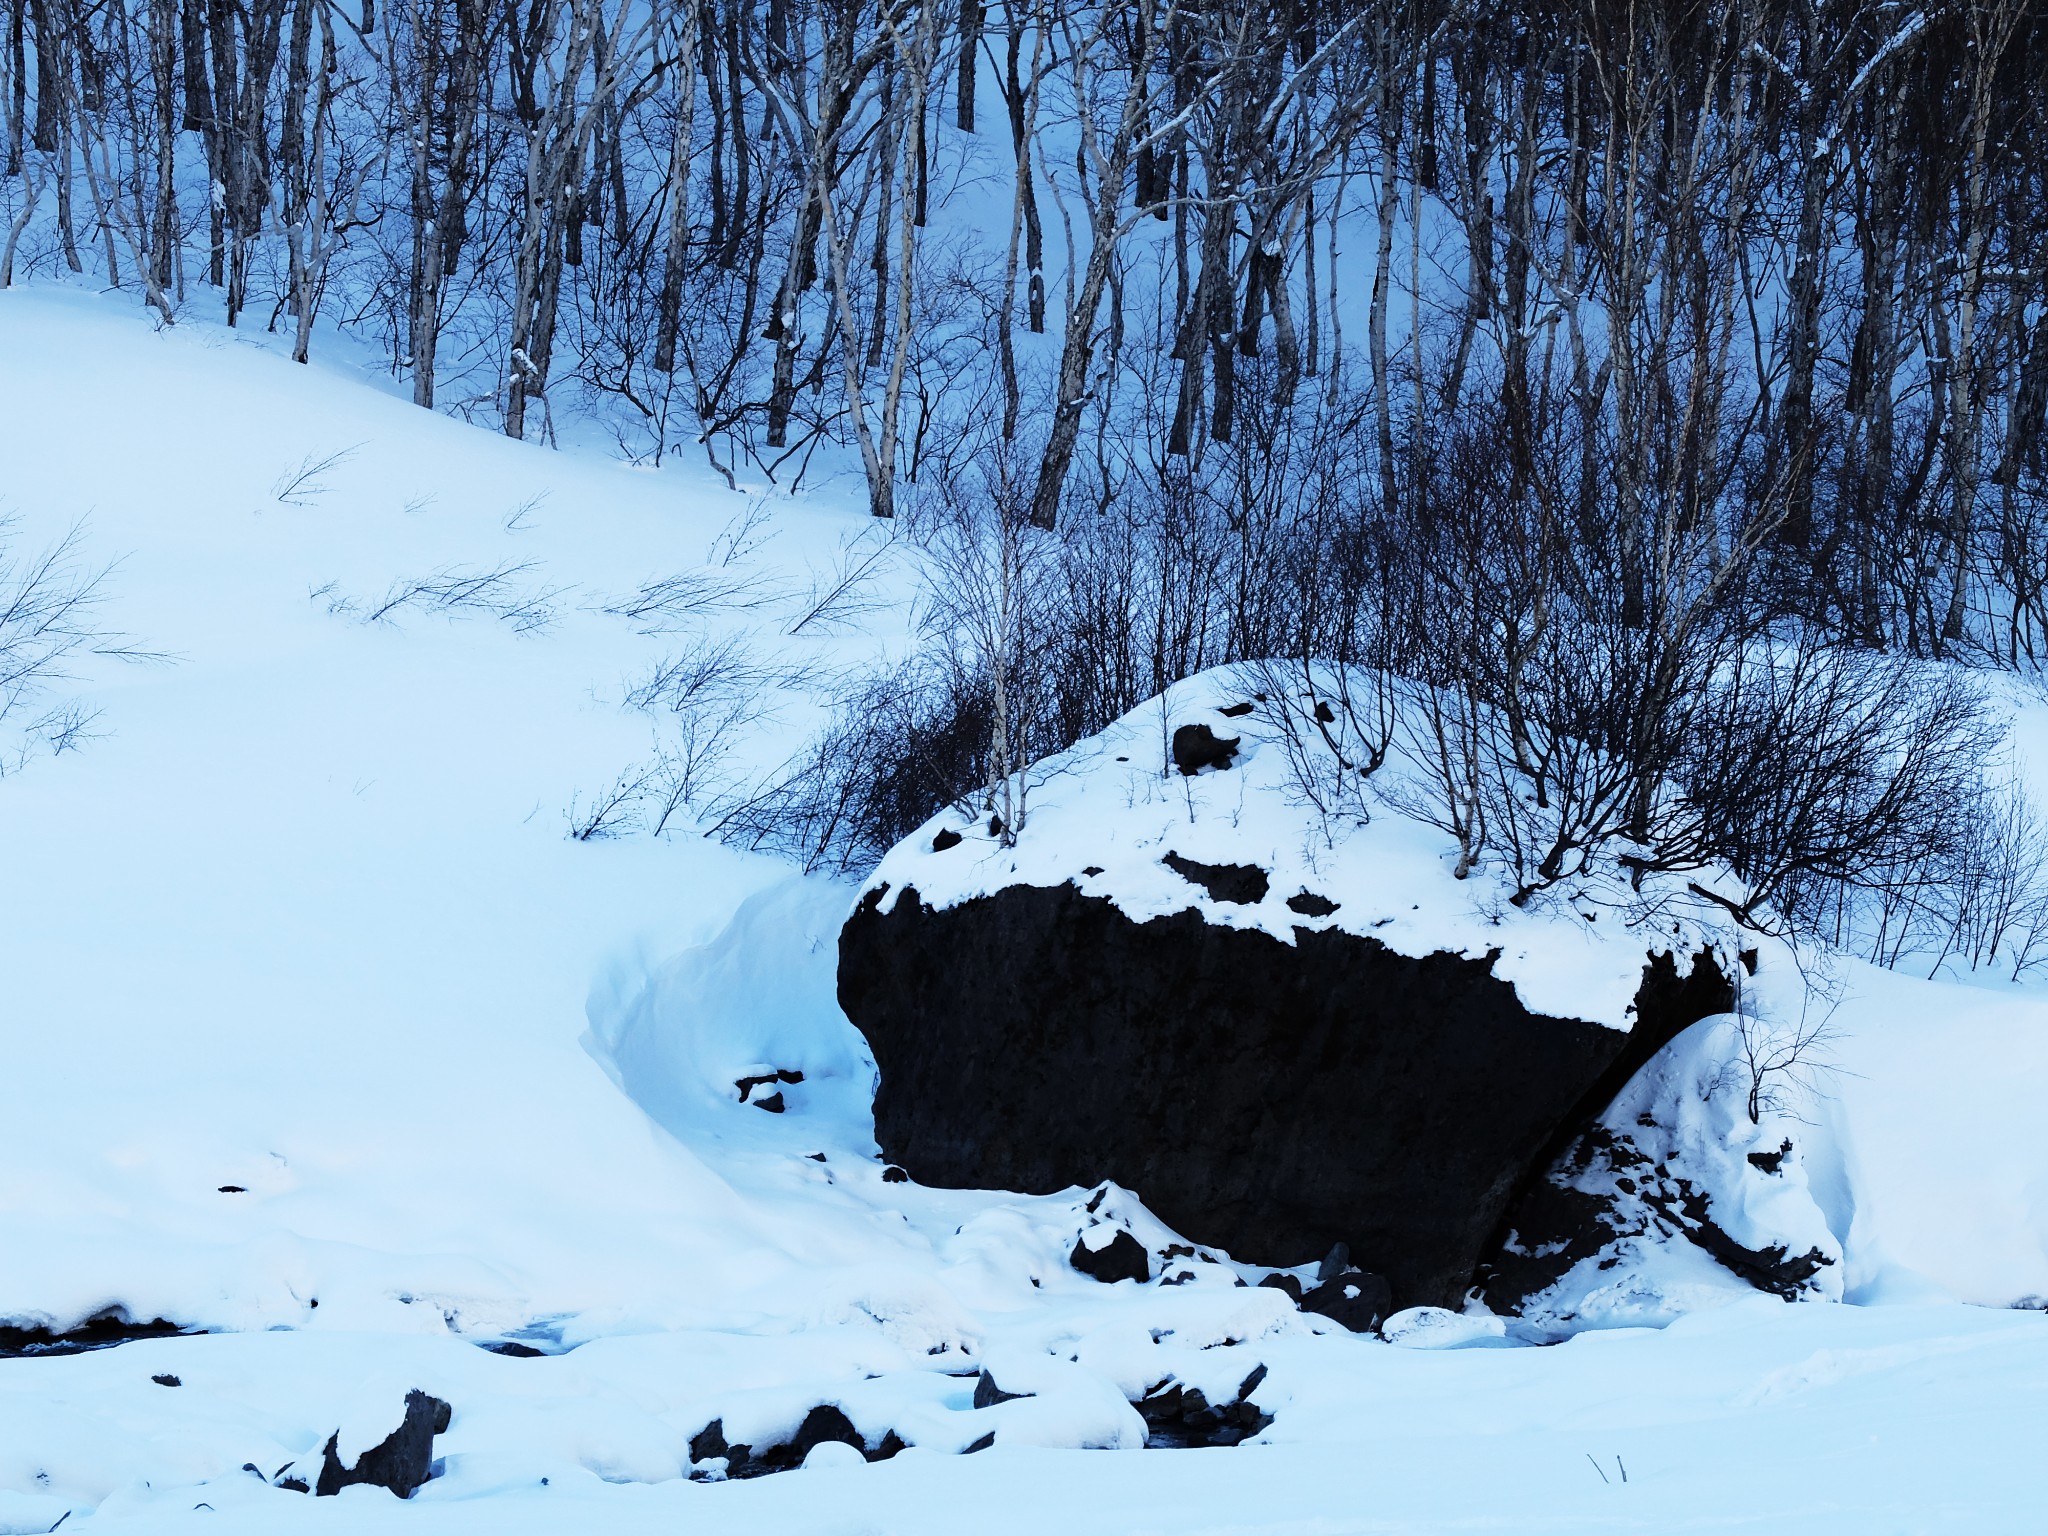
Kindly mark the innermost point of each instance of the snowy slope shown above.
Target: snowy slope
(305, 921)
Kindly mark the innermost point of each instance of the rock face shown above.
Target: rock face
(1273, 1100)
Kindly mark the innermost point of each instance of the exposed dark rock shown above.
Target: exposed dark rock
(987, 1394)
(825, 1422)
(233, 1189)
(401, 1461)
(1242, 884)
(1180, 1417)
(947, 838)
(166, 1379)
(514, 1349)
(746, 1085)
(1360, 1301)
(1235, 711)
(894, 1175)
(1774, 1268)
(982, 1444)
(1557, 1225)
(1123, 1257)
(103, 1330)
(1309, 904)
(1279, 1281)
(822, 1423)
(1196, 747)
(709, 1443)
(1771, 1162)
(772, 1102)
(1269, 1099)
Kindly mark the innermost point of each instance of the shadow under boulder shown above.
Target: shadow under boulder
(1269, 1099)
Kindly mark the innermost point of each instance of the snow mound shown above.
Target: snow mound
(1684, 1201)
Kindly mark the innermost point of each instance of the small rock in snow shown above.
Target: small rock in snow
(1239, 884)
(1196, 747)
(1280, 1280)
(1123, 1257)
(1354, 1298)
(987, 1394)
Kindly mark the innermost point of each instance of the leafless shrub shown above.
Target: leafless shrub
(614, 811)
(707, 701)
(905, 742)
(844, 591)
(50, 607)
(495, 593)
(664, 603)
(743, 536)
(1778, 1064)
(1810, 765)
(989, 617)
(1334, 725)
(1970, 896)
(1997, 894)
(303, 486)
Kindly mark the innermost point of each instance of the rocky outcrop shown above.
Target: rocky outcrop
(1272, 1099)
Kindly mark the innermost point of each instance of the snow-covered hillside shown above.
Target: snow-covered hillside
(322, 1033)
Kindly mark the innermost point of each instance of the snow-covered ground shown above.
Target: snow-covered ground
(319, 1031)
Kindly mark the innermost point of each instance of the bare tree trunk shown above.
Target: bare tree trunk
(1991, 27)
(970, 62)
(31, 193)
(163, 57)
(679, 190)
(1111, 168)
(439, 213)
(1021, 97)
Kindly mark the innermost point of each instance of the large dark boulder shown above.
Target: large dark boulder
(1270, 1099)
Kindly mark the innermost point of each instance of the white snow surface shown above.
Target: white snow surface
(303, 921)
